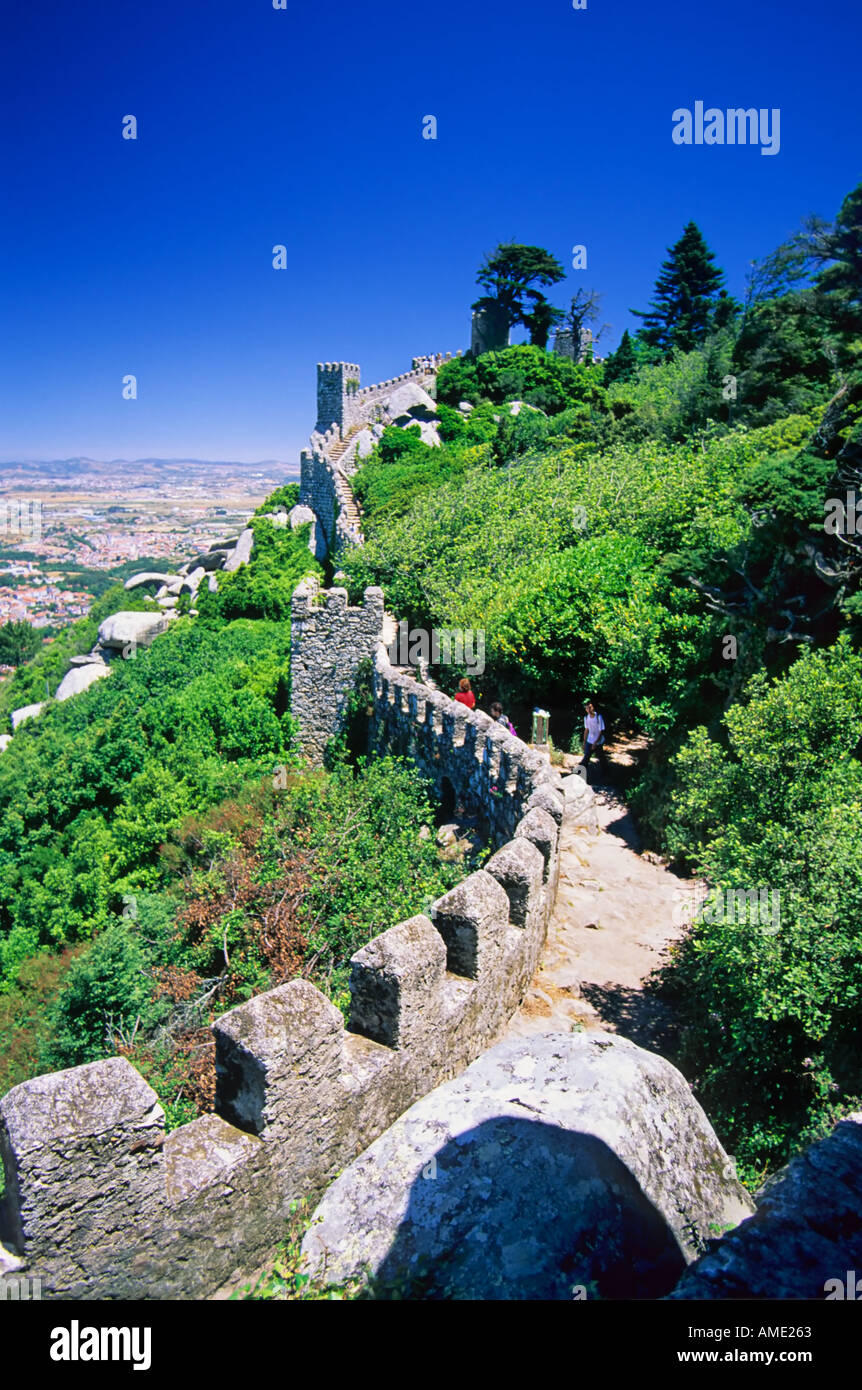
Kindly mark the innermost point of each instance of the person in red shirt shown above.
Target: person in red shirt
(465, 694)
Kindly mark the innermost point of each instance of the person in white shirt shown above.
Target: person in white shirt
(594, 736)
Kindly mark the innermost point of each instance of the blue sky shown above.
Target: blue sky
(304, 127)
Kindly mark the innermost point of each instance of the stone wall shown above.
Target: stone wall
(344, 404)
(328, 641)
(467, 755)
(324, 488)
(343, 408)
(101, 1203)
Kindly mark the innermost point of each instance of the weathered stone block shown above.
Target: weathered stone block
(472, 920)
(554, 1161)
(547, 798)
(806, 1236)
(393, 983)
(519, 869)
(203, 1152)
(278, 1059)
(541, 830)
(82, 1154)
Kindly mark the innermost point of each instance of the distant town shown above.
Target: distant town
(69, 528)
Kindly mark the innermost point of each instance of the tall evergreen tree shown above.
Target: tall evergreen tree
(686, 293)
(622, 364)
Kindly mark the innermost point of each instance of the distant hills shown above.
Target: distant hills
(71, 466)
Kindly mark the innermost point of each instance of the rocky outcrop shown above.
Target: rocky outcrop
(242, 553)
(146, 577)
(552, 1163)
(131, 630)
(192, 581)
(19, 716)
(805, 1239)
(80, 678)
(409, 403)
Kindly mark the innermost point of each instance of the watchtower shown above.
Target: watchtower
(337, 385)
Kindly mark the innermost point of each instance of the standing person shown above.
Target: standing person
(594, 737)
(501, 718)
(465, 694)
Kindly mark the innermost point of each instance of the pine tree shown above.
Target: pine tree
(622, 364)
(686, 292)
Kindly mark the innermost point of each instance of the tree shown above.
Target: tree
(509, 275)
(584, 310)
(686, 294)
(18, 642)
(828, 253)
(540, 322)
(622, 364)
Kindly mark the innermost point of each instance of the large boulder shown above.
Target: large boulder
(131, 630)
(409, 402)
(80, 678)
(300, 515)
(137, 581)
(5, 740)
(805, 1240)
(555, 1163)
(429, 434)
(242, 553)
(18, 716)
(364, 443)
(192, 581)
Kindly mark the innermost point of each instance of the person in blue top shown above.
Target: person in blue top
(594, 737)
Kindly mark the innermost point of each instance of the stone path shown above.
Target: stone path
(612, 926)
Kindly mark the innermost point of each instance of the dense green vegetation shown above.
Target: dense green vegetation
(649, 530)
(161, 856)
(38, 679)
(653, 534)
(18, 642)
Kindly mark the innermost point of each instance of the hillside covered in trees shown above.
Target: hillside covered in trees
(672, 532)
(165, 856)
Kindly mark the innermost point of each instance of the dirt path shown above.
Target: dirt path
(612, 925)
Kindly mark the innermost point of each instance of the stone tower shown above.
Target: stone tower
(488, 331)
(337, 385)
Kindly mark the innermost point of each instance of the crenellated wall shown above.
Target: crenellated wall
(343, 408)
(101, 1203)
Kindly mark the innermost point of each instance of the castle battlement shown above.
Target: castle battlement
(100, 1200)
